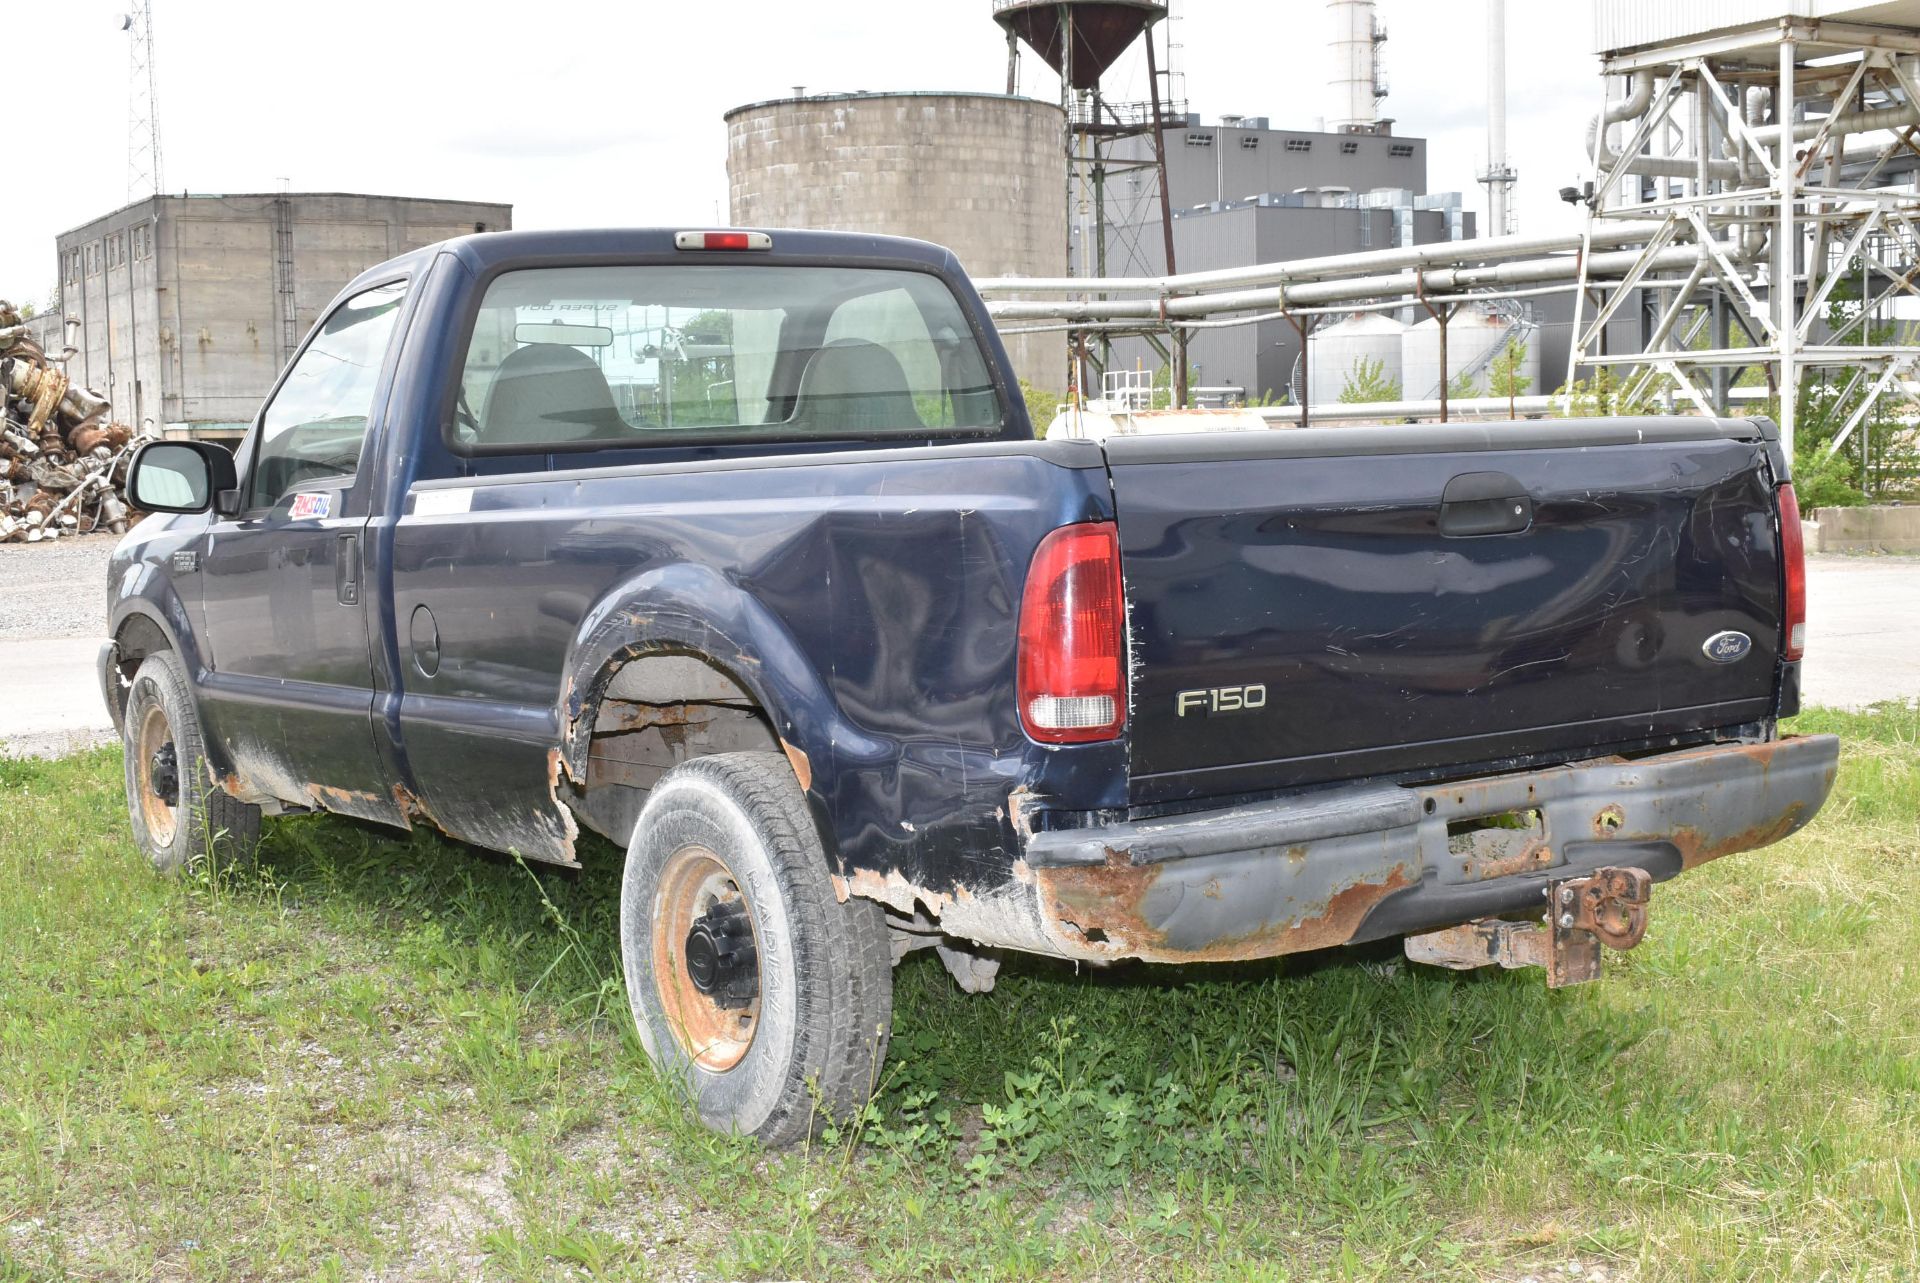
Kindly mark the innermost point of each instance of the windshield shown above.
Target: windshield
(620, 356)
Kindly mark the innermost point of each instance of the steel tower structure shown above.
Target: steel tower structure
(1081, 39)
(1777, 158)
(144, 176)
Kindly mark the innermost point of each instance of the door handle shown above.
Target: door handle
(1484, 503)
(346, 570)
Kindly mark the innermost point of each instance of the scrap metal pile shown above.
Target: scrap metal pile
(63, 465)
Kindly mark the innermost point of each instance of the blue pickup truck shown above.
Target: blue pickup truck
(737, 547)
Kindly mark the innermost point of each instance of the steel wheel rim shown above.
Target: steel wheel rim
(161, 818)
(714, 1036)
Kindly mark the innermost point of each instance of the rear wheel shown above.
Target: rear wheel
(770, 1000)
(176, 810)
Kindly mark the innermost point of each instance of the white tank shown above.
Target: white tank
(1475, 337)
(1338, 350)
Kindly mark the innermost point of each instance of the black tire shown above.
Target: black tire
(177, 811)
(723, 832)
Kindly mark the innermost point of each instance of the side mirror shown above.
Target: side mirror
(180, 476)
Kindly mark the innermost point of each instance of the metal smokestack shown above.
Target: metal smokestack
(1357, 85)
(1498, 175)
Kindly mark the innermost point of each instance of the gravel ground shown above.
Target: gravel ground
(55, 590)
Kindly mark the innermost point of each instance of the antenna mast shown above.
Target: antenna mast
(143, 104)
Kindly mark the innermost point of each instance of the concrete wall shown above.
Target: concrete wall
(180, 297)
(1877, 528)
(983, 174)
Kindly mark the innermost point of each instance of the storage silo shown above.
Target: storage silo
(1475, 337)
(1339, 349)
(983, 174)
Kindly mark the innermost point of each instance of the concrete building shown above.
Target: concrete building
(1244, 193)
(983, 174)
(189, 306)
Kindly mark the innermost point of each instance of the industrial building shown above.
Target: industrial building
(185, 308)
(1240, 162)
(983, 174)
(1244, 193)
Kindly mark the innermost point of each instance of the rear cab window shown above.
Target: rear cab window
(579, 358)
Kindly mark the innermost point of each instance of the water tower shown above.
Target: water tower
(1080, 40)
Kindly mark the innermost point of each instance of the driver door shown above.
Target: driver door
(283, 592)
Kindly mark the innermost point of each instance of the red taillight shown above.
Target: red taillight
(722, 240)
(1073, 647)
(1793, 558)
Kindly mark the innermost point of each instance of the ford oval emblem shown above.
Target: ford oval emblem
(1725, 648)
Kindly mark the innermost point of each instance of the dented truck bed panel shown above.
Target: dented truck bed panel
(1367, 691)
(869, 605)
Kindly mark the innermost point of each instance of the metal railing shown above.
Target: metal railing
(1129, 115)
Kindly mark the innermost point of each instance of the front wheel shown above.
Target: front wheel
(748, 981)
(177, 811)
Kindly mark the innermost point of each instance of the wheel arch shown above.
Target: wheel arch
(689, 662)
(142, 627)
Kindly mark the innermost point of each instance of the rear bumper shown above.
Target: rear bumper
(1346, 866)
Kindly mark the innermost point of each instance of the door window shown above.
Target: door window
(314, 428)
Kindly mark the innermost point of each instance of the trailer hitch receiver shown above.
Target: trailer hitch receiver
(1611, 904)
(1607, 907)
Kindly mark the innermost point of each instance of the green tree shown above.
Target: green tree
(1162, 398)
(1823, 481)
(1368, 381)
(1461, 386)
(1882, 455)
(1042, 405)
(1504, 377)
(1601, 396)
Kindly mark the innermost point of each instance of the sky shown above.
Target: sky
(591, 113)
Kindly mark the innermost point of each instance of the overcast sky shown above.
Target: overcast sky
(584, 113)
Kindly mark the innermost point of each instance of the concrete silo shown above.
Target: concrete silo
(982, 174)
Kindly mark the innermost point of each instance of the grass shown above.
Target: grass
(379, 1056)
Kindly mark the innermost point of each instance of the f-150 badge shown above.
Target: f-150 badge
(1724, 648)
(1208, 701)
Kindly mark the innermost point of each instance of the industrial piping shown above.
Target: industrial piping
(1489, 250)
(1308, 293)
(1640, 97)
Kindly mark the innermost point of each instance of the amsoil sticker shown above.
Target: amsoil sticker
(311, 505)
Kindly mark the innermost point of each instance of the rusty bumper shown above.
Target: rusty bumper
(1345, 866)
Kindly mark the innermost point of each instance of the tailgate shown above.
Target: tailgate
(1323, 604)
